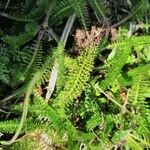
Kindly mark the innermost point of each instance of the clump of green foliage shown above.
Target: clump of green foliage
(101, 96)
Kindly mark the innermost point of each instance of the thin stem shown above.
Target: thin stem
(7, 4)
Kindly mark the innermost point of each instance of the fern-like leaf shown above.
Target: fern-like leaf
(77, 79)
(123, 50)
(80, 9)
(45, 112)
(60, 10)
(140, 8)
(137, 98)
(17, 41)
(4, 64)
(99, 7)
